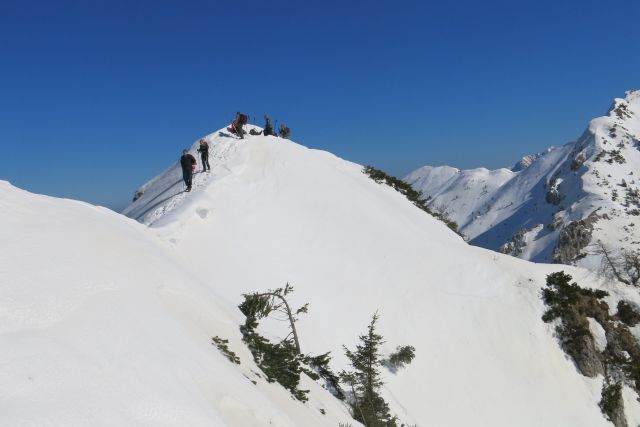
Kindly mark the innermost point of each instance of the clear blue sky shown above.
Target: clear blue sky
(96, 97)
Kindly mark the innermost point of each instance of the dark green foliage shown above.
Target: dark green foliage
(255, 306)
(364, 380)
(318, 368)
(401, 357)
(260, 305)
(623, 354)
(628, 313)
(223, 346)
(572, 305)
(281, 362)
(560, 295)
(414, 196)
(620, 360)
(611, 401)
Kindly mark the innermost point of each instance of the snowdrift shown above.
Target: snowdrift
(273, 212)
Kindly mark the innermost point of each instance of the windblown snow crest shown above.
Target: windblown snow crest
(556, 206)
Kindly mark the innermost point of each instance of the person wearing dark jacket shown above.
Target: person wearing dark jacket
(285, 132)
(238, 123)
(204, 155)
(268, 129)
(188, 163)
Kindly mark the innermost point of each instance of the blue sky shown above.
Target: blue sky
(96, 97)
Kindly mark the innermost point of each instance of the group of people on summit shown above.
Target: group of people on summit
(237, 127)
(189, 163)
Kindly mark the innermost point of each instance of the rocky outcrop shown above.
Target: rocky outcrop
(555, 223)
(553, 195)
(574, 237)
(515, 246)
(578, 160)
(572, 308)
(553, 188)
(525, 162)
(587, 357)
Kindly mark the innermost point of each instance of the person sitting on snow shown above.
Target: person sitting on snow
(238, 123)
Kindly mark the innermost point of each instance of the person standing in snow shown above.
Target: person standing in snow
(188, 163)
(268, 128)
(285, 132)
(204, 155)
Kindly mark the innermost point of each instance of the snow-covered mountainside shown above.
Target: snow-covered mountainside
(105, 321)
(273, 212)
(100, 325)
(553, 206)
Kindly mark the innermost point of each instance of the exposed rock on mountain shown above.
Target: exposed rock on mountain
(541, 209)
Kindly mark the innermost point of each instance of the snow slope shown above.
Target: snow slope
(523, 211)
(273, 212)
(101, 326)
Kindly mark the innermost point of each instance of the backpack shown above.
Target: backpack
(243, 119)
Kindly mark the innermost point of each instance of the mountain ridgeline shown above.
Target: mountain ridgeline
(183, 313)
(566, 205)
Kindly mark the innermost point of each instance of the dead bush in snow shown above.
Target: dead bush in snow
(622, 265)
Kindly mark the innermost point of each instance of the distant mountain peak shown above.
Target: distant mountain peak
(541, 205)
(525, 162)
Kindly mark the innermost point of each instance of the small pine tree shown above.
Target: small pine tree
(261, 304)
(280, 362)
(318, 368)
(364, 381)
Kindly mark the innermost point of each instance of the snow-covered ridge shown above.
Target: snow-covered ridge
(546, 192)
(274, 212)
(106, 321)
